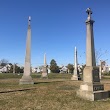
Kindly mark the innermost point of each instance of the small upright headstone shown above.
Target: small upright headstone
(75, 75)
(45, 71)
(91, 88)
(26, 78)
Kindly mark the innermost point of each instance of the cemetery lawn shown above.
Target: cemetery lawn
(56, 93)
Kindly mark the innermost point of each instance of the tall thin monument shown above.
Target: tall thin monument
(75, 75)
(45, 73)
(100, 70)
(91, 88)
(45, 62)
(14, 68)
(26, 78)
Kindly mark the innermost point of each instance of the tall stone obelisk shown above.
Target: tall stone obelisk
(26, 78)
(100, 70)
(75, 75)
(45, 73)
(91, 88)
(45, 62)
(14, 68)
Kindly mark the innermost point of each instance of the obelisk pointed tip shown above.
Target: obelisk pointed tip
(44, 58)
(75, 48)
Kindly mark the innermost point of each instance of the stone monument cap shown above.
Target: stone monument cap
(89, 12)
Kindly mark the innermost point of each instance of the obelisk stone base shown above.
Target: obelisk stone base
(44, 73)
(91, 88)
(91, 74)
(26, 80)
(93, 95)
(76, 76)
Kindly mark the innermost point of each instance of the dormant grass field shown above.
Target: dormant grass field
(56, 93)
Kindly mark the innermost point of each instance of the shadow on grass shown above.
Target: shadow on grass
(17, 90)
(26, 89)
(41, 82)
(47, 82)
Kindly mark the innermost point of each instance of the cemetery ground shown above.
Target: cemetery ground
(56, 93)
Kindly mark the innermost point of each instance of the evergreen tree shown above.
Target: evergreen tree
(53, 66)
(70, 68)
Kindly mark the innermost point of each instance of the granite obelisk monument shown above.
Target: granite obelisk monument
(14, 68)
(26, 78)
(45, 73)
(91, 88)
(100, 70)
(75, 75)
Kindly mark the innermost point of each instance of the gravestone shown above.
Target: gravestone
(26, 78)
(91, 88)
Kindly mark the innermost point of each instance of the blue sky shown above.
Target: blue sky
(57, 27)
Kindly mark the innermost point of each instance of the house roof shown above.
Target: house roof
(1, 67)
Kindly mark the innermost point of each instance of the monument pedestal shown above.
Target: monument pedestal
(44, 73)
(26, 80)
(76, 76)
(91, 74)
(92, 92)
(91, 88)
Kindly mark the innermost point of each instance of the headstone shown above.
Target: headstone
(26, 78)
(75, 75)
(91, 88)
(45, 73)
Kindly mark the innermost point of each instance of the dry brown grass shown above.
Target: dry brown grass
(46, 94)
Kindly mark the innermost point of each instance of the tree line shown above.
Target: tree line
(11, 67)
(53, 67)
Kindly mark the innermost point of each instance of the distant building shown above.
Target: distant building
(34, 70)
(38, 70)
(5, 69)
(105, 69)
(49, 71)
(63, 69)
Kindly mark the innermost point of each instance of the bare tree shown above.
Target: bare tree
(98, 54)
(3, 62)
